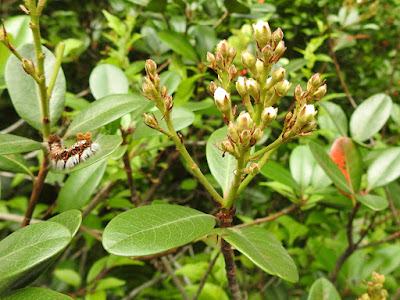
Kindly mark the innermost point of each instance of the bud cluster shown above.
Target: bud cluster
(301, 122)
(153, 91)
(222, 63)
(375, 289)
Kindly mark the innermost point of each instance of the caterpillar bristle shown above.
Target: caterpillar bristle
(64, 158)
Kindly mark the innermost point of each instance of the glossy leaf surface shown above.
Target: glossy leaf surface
(153, 229)
(178, 44)
(384, 169)
(10, 143)
(373, 201)
(263, 249)
(35, 293)
(221, 167)
(26, 100)
(107, 79)
(323, 289)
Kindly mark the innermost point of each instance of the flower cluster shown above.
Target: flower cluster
(260, 93)
(375, 288)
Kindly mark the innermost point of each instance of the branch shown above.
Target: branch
(37, 188)
(204, 278)
(395, 62)
(175, 278)
(392, 206)
(101, 195)
(144, 286)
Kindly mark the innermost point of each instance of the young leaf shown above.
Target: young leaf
(80, 186)
(347, 157)
(206, 39)
(373, 201)
(384, 169)
(221, 167)
(104, 111)
(330, 168)
(301, 165)
(178, 44)
(181, 118)
(153, 229)
(35, 293)
(108, 144)
(10, 143)
(170, 79)
(27, 252)
(107, 79)
(335, 118)
(370, 116)
(24, 91)
(275, 171)
(14, 163)
(263, 249)
(323, 289)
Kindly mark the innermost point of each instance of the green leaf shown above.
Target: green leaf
(295, 65)
(335, 118)
(71, 220)
(80, 186)
(221, 167)
(178, 44)
(323, 289)
(24, 91)
(171, 80)
(373, 201)
(10, 143)
(234, 6)
(109, 283)
(186, 89)
(35, 293)
(206, 39)
(104, 111)
(301, 166)
(68, 276)
(263, 249)
(27, 252)
(384, 169)
(209, 291)
(153, 229)
(114, 23)
(277, 172)
(370, 116)
(15, 163)
(181, 118)
(294, 228)
(330, 168)
(106, 80)
(108, 144)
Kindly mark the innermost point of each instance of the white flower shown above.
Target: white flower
(220, 95)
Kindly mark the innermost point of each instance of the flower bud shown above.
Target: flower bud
(150, 121)
(279, 50)
(282, 87)
(320, 93)
(260, 67)
(277, 36)
(213, 87)
(262, 33)
(149, 90)
(226, 146)
(233, 132)
(241, 85)
(298, 93)
(151, 68)
(257, 135)
(210, 59)
(248, 59)
(245, 137)
(268, 115)
(28, 66)
(219, 60)
(278, 74)
(253, 169)
(314, 82)
(253, 88)
(244, 122)
(222, 48)
(231, 55)
(223, 103)
(267, 52)
(307, 113)
(378, 278)
(232, 72)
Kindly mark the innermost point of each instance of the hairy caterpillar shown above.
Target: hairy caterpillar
(67, 157)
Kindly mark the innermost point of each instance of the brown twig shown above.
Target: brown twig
(175, 278)
(144, 286)
(337, 66)
(204, 278)
(271, 217)
(393, 236)
(351, 246)
(392, 206)
(100, 196)
(127, 165)
(395, 62)
(37, 189)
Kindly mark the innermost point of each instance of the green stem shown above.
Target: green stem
(237, 179)
(270, 149)
(188, 159)
(271, 146)
(34, 14)
(57, 65)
